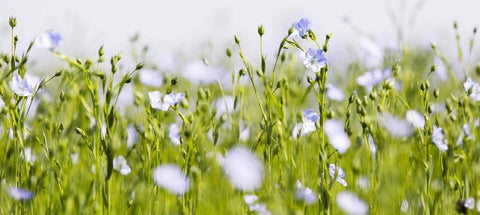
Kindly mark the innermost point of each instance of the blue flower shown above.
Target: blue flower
(20, 194)
(48, 40)
(315, 59)
(302, 27)
(310, 115)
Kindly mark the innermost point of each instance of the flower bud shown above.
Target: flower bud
(12, 21)
(139, 66)
(242, 72)
(101, 52)
(237, 40)
(229, 52)
(261, 31)
(436, 93)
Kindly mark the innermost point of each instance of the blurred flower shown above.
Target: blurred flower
(151, 78)
(28, 155)
(305, 194)
(438, 138)
(404, 206)
(466, 133)
(171, 177)
(308, 123)
(337, 173)
(334, 92)
(74, 157)
(260, 208)
(469, 203)
(132, 136)
(120, 164)
(371, 145)
(157, 102)
(416, 119)
(351, 204)
(362, 182)
(24, 86)
(396, 126)
(174, 134)
(244, 132)
(315, 59)
(48, 40)
(474, 87)
(373, 77)
(302, 26)
(20, 194)
(336, 135)
(250, 199)
(243, 169)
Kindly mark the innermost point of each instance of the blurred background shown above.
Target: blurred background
(205, 28)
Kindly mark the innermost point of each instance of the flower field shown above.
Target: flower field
(280, 133)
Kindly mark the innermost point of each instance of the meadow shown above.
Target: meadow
(396, 132)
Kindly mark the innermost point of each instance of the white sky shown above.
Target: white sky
(184, 25)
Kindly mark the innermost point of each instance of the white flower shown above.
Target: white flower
(250, 199)
(171, 177)
(404, 206)
(474, 87)
(174, 134)
(243, 169)
(362, 182)
(334, 92)
(396, 126)
(305, 194)
(336, 135)
(438, 138)
(351, 204)
(48, 40)
(469, 203)
(373, 77)
(20, 194)
(337, 173)
(261, 208)
(132, 136)
(415, 118)
(120, 164)
(371, 145)
(244, 132)
(74, 157)
(29, 155)
(466, 133)
(151, 78)
(157, 102)
(308, 123)
(24, 86)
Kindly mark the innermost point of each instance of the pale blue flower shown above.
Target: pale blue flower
(302, 26)
(24, 86)
(336, 135)
(151, 78)
(174, 134)
(474, 87)
(48, 40)
(438, 138)
(308, 123)
(337, 173)
(373, 77)
(20, 194)
(120, 164)
(157, 102)
(315, 59)
(306, 194)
